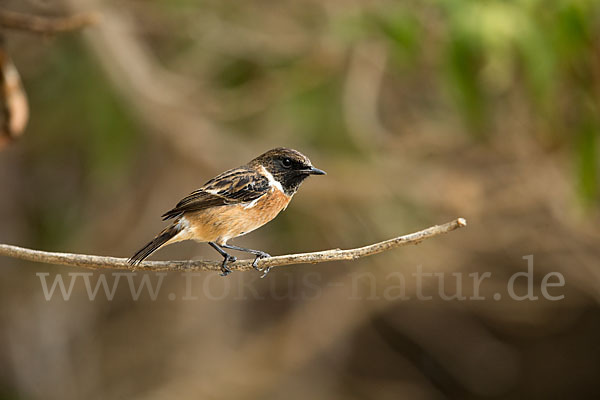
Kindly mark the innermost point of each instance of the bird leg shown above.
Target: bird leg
(259, 254)
(226, 258)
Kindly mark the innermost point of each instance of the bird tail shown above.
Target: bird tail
(162, 238)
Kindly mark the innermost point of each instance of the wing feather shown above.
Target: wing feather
(236, 186)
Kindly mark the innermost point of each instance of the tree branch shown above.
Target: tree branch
(96, 262)
(46, 25)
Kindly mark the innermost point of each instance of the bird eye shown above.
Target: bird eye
(286, 162)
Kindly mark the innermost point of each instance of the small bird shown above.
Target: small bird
(234, 203)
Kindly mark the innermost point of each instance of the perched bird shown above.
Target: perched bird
(234, 203)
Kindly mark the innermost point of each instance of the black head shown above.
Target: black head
(288, 167)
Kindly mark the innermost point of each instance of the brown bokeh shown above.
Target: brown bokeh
(128, 116)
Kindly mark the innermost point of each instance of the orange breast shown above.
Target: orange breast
(219, 224)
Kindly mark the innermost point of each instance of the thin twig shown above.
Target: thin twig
(95, 262)
(46, 25)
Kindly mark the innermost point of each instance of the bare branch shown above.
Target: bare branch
(96, 262)
(46, 25)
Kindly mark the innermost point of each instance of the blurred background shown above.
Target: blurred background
(420, 112)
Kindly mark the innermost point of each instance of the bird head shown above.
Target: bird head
(288, 167)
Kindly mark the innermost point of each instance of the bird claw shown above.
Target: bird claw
(264, 271)
(225, 270)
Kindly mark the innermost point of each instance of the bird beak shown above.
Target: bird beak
(316, 171)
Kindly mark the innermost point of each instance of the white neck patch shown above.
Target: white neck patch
(272, 181)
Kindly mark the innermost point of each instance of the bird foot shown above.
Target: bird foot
(264, 271)
(225, 270)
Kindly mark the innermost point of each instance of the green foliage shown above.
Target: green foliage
(544, 52)
(236, 72)
(587, 152)
(481, 54)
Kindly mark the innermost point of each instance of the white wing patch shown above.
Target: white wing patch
(252, 203)
(272, 181)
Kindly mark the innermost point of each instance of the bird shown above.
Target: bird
(234, 203)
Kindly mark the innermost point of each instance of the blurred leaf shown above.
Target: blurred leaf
(464, 63)
(588, 162)
(403, 31)
(236, 73)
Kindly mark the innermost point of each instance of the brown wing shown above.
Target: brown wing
(239, 185)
